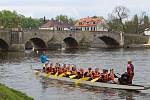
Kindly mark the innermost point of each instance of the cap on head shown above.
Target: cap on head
(129, 61)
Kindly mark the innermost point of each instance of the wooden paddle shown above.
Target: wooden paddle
(95, 79)
(82, 79)
(72, 76)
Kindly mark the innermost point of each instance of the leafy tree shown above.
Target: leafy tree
(64, 19)
(10, 19)
(117, 18)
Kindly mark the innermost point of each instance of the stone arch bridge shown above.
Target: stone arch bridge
(45, 39)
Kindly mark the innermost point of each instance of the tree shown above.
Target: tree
(64, 19)
(135, 23)
(10, 19)
(118, 17)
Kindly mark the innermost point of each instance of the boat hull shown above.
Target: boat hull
(94, 84)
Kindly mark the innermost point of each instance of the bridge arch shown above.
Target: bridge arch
(3, 45)
(35, 43)
(109, 41)
(71, 43)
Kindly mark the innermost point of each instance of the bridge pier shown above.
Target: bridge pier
(17, 47)
(121, 39)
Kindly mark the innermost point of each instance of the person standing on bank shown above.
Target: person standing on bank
(130, 71)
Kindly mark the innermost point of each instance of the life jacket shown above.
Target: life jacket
(111, 76)
(105, 77)
(80, 74)
(60, 71)
(73, 72)
(54, 70)
(130, 69)
(96, 75)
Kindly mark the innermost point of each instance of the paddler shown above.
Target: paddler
(96, 74)
(74, 70)
(111, 76)
(80, 73)
(68, 71)
(105, 76)
(89, 72)
(130, 71)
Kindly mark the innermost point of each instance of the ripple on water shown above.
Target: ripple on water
(15, 71)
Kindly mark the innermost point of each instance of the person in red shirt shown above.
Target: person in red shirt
(130, 71)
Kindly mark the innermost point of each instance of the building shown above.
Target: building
(147, 31)
(55, 25)
(91, 24)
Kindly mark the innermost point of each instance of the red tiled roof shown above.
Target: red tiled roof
(89, 21)
(52, 23)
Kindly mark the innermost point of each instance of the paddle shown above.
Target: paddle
(61, 75)
(47, 75)
(55, 75)
(72, 76)
(68, 73)
(84, 79)
(95, 79)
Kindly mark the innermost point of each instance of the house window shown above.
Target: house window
(80, 23)
(87, 28)
(94, 28)
(91, 28)
(94, 23)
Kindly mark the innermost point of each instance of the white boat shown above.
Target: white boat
(94, 84)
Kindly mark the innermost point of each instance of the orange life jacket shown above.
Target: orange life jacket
(111, 76)
(106, 77)
(96, 75)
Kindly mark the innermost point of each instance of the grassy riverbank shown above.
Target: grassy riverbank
(7, 93)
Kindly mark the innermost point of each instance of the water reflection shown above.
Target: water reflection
(95, 93)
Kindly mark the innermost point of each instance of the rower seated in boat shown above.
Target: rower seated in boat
(88, 73)
(96, 74)
(55, 69)
(60, 71)
(123, 79)
(74, 70)
(68, 71)
(105, 76)
(111, 76)
(80, 73)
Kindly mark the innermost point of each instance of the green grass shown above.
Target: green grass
(7, 93)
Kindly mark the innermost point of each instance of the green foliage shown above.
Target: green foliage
(135, 26)
(115, 25)
(10, 19)
(28, 22)
(65, 19)
(11, 94)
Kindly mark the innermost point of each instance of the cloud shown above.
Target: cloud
(76, 8)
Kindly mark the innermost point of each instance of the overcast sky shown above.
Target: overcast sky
(72, 8)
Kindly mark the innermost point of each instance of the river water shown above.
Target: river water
(16, 72)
